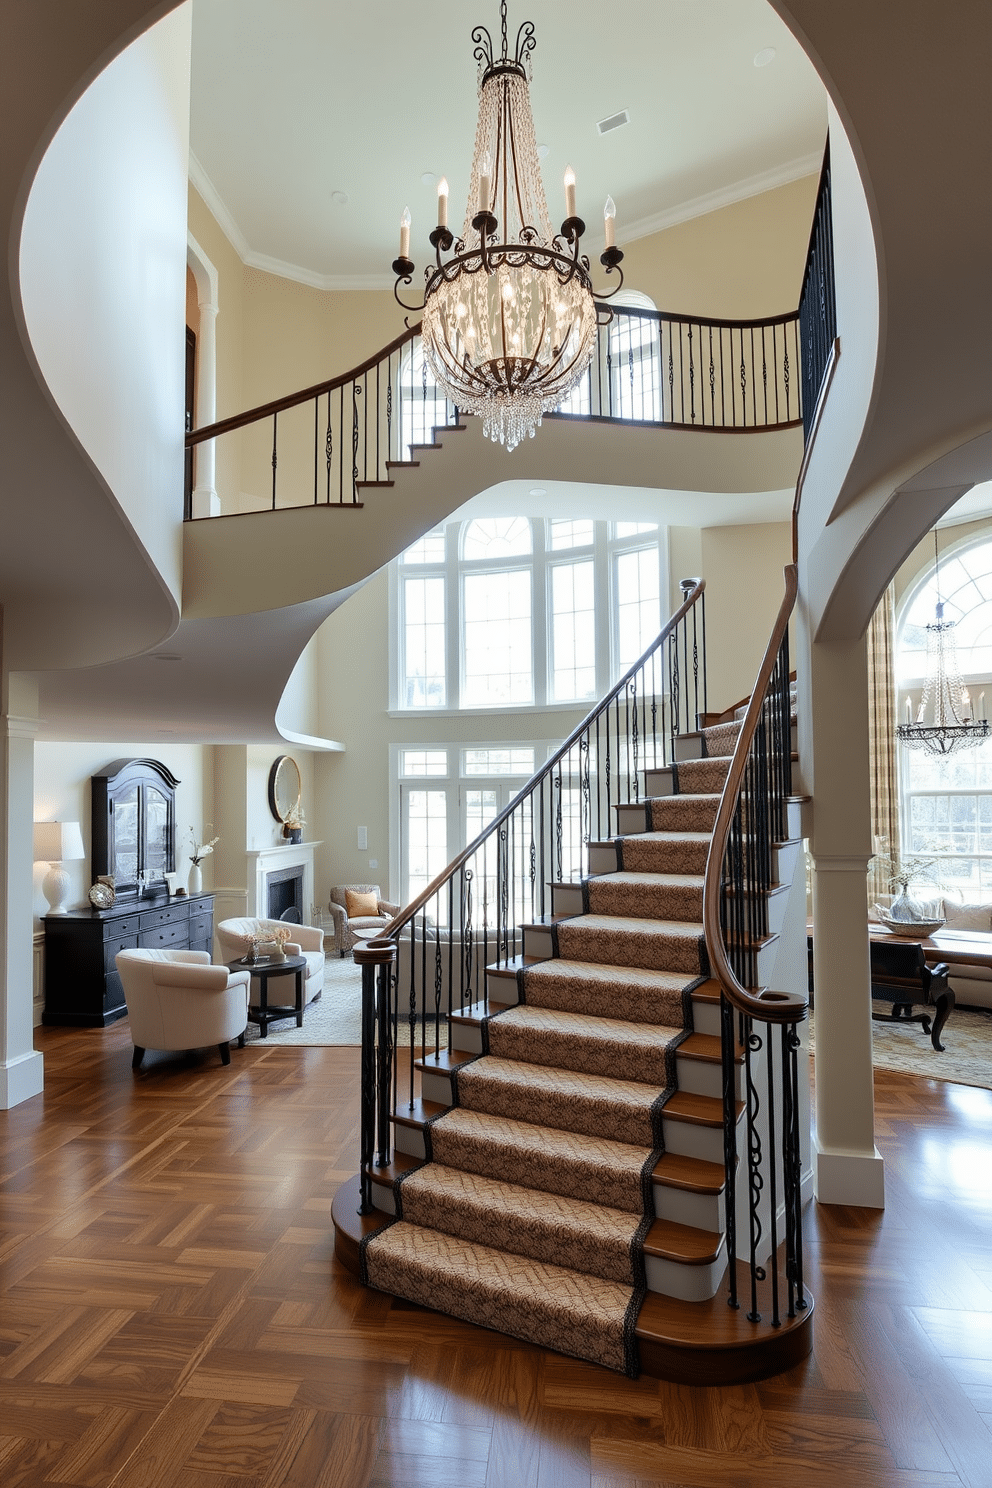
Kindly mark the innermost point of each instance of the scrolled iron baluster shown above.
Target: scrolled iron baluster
(558, 825)
(692, 380)
(634, 736)
(729, 1060)
(329, 447)
(503, 909)
(355, 395)
(752, 1045)
(275, 456)
(384, 1075)
(438, 976)
(468, 935)
(585, 821)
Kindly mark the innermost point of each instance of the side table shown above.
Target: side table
(263, 1015)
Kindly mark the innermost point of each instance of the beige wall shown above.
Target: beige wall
(742, 261)
(743, 568)
(62, 793)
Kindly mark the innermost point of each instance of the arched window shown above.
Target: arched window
(635, 358)
(947, 802)
(422, 405)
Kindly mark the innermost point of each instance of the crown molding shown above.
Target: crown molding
(724, 196)
(697, 206)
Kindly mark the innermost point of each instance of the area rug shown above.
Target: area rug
(905, 1048)
(335, 1019)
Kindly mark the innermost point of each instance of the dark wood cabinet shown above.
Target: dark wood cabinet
(82, 988)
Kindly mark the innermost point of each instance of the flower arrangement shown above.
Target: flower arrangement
(201, 850)
(294, 821)
(280, 935)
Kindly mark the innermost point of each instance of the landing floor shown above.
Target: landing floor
(172, 1316)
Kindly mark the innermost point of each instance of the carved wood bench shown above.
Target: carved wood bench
(900, 975)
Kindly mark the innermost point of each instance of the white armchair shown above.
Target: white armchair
(231, 940)
(177, 1000)
(358, 922)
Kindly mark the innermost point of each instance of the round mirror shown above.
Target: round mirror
(285, 787)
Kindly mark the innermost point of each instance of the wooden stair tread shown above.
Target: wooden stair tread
(366, 485)
(696, 1110)
(708, 991)
(705, 1047)
(694, 1174)
(685, 1244)
(443, 1061)
(419, 1113)
(473, 1015)
(515, 964)
(400, 1163)
(402, 464)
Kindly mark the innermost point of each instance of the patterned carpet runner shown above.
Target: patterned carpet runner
(530, 1213)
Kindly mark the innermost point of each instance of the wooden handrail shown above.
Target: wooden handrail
(770, 1007)
(400, 921)
(293, 400)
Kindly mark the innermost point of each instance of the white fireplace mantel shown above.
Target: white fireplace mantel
(266, 860)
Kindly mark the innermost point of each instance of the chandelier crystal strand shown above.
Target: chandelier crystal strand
(509, 322)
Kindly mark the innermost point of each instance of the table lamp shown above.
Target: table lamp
(56, 843)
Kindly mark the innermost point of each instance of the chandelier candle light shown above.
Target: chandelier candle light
(509, 320)
(954, 725)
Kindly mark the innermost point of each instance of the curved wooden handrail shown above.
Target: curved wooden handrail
(305, 395)
(400, 921)
(770, 1007)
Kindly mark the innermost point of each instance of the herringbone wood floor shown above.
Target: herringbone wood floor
(171, 1314)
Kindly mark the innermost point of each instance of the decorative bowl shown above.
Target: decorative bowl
(908, 929)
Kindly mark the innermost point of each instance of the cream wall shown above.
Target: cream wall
(62, 793)
(743, 568)
(740, 262)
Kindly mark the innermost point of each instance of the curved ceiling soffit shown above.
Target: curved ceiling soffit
(890, 497)
(88, 44)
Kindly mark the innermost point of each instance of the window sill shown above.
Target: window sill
(522, 709)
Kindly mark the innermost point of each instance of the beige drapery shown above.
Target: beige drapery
(882, 760)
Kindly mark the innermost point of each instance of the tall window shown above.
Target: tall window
(947, 803)
(635, 360)
(506, 612)
(422, 406)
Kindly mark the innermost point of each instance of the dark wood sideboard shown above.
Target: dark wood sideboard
(82, 988)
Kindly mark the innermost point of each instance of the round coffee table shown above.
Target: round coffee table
(263, 1015)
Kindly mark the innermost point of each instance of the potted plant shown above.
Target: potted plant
(200, 850)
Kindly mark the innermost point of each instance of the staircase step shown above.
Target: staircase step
(602, 989)
(555, 1098)
(683, 1243)
(466, 1024)
(373, 485)
(660, 945)
(692, 1125)
(682, 813)
(660, 896)
(583, 1042)
(560, 1162)
(690, 1174)
(402, 464)
(664, 852)
(543, 1304)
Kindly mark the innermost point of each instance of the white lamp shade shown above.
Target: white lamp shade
(58, 842)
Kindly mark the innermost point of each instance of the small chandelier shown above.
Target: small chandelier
(509, 320)
(954, 726)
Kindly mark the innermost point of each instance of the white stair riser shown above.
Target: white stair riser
(603, 860)
(698, 1077)
(682, 1206)
(466, 1036)
(688, 1140)
(687, 1283)
(778, 903)
(706, 1018)
(794, 818)
(566, 899)
(766, 960)
(538, 942)
(383, 1198)
(688, 747)
(659, 782)
(785, 857)
(502, 988)
(437, 1087)
(409, 1139)
(631, 820)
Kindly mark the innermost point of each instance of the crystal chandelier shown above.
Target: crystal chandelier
(509, 320)
(944, 695)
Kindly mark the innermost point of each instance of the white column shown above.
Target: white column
(21, 1068)
(848, 1166)
(206, 502)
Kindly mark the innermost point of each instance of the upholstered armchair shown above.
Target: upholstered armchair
(177, 1000)
(231, 941)
(359, 913)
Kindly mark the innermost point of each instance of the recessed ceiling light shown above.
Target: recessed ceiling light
(766, 55)
(429, 178)
(543, 151)
(538, 491)
(340, 198)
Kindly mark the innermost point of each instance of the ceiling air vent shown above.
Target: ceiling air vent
(615, 121)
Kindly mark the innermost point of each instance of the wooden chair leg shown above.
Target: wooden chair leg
(137, 1057)
(944, 1006)
(225, 1053)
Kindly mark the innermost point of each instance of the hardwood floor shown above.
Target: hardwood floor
(172, 1316)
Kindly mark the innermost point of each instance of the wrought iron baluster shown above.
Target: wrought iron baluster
(729, 1065)
(756, 1182)
(329, 448)
(275, 456)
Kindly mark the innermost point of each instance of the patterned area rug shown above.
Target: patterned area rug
(905, 1048)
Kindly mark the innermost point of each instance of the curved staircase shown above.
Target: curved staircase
(560, 1170)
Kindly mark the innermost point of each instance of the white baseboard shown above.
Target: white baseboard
(21, 1079)
(849, 1178)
